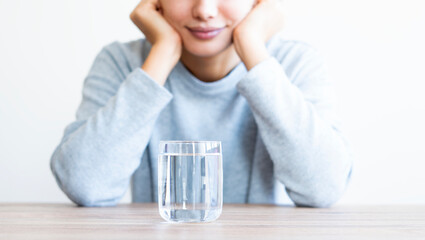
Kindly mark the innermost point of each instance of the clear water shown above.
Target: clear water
(190, 187)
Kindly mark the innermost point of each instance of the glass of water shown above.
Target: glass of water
(190, 181)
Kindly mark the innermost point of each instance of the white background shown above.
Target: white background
(374, 49)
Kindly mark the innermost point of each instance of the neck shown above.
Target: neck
(210, 69)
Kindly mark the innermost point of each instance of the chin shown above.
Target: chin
(206, 50)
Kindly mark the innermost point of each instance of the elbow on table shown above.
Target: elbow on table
(88, 196)
(317, 200)
(82, 191)
(321, 196)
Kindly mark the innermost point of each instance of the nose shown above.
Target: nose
(205, 9)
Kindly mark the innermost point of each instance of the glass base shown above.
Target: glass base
(189, 215)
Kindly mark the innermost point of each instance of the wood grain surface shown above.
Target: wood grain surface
(238, 221)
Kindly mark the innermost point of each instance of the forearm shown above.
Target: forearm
(94, 162)
(310, 156)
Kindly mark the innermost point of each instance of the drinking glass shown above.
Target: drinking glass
(190, 181)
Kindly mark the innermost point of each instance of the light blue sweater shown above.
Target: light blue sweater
(277, 123)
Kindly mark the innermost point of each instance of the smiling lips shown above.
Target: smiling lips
(205, 33)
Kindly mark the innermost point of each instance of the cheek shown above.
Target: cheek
(234, 11)
(173, 17)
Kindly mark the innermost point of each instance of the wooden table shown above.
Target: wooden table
(238, 221)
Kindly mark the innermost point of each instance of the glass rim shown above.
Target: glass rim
(189, 147)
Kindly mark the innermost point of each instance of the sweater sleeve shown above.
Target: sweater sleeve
(102, 148)
(297, 121)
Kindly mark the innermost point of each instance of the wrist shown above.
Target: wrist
(251, 52)
(169, 53)
(160, 61)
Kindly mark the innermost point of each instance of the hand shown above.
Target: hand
(251, 34)
(166, 42)
(148, 17)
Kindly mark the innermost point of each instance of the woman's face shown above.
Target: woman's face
(206, 26)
